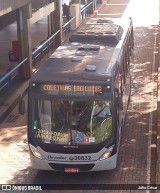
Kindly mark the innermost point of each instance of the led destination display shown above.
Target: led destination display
(66, 89)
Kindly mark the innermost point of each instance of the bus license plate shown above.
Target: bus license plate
(72, 170)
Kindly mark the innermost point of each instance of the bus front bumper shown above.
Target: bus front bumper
(43, 164)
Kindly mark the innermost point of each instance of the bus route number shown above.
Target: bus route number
(82, 158)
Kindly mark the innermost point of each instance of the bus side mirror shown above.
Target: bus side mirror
(22, 107)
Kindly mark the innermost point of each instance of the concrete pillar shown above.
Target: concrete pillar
(75, 10)
(76, 1)
(91, 7)
(49, 25)
(51, 22)
(58, 22)
(24, 38)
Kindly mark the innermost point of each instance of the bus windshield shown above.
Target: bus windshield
(71, 122)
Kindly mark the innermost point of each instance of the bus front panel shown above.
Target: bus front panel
(71, 132)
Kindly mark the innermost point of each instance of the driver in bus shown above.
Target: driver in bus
(101, 109)
(99, 114)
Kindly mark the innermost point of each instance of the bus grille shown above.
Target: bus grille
(82, 167)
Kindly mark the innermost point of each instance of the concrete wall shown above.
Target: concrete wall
(7, 19)
(36, 4)
(7, 6)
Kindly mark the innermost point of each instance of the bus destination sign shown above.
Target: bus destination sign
(78, 90)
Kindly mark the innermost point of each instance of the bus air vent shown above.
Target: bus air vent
(98, 30)
(80, 53)
(77, 58)
(80, 32)
(104, 21)
(75, 43)
(89, 48)
(90, 67)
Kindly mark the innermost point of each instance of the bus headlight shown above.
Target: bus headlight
(35, 152)
(107, 153)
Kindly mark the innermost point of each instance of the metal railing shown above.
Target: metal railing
(84, 11)
(44, 47)
(7, 78)
(66, 28)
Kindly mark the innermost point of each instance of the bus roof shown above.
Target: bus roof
(81, 61)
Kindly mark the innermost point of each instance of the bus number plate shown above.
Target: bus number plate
(72, 170)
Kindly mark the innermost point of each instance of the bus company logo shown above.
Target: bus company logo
(50, 157)
(71, 158)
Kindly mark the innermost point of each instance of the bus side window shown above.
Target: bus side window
(118, 107)
(122, 75)
(125, 66)
(124, 70)
(128, 57)
(119, 91)
(120, 84)
(120, 101)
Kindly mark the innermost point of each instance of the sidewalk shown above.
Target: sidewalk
(151, 21)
